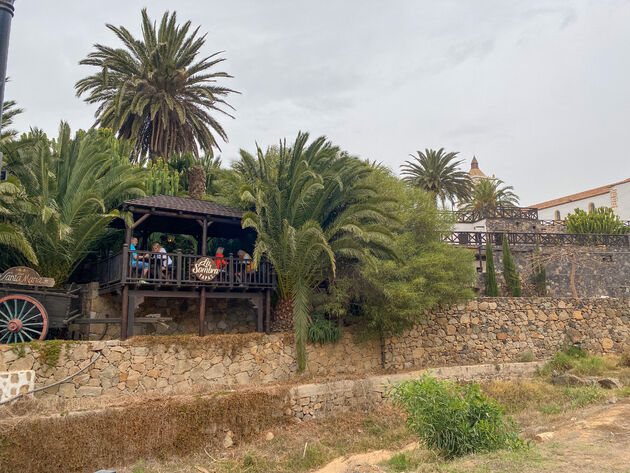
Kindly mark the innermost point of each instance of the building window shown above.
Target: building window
(556, 215)
(591, 207)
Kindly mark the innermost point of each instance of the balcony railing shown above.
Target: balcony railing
(542, 239)
(155, 268)
(510, 213)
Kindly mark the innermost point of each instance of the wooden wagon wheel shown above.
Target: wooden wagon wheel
(22, 319)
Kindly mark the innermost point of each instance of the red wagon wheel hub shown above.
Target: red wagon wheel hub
(14, 325)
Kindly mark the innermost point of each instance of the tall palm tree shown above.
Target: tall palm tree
(73, 186)
(437, 172)
(312, 206)
(488, 194)
(156, 91)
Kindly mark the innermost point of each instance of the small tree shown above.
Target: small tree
(491, 278)
(512, 278)
(540, 273)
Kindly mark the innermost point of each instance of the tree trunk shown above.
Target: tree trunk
(196, 182)
(283, 316)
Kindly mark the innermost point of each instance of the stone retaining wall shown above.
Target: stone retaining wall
(316, 400)
(506, 329)
(482, 331)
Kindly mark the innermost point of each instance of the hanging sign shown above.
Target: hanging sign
(205, 269)
(23, 276)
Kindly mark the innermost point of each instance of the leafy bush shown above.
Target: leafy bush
(600, 220)
(575, 360)
(402, 462)
(526, 356)
(624, 359)
(323, 331)
(454, 420)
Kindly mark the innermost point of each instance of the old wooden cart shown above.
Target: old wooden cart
(29, 308)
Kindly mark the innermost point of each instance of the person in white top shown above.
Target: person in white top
(166, 261)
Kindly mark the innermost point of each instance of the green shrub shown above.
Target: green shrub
(323, 331)
(402, 462)
(624, 359)
(526, 356)
(454, 420)
(491, 277)
(580, 397)
(575, 360)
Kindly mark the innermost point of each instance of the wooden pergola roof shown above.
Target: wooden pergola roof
(182, 215)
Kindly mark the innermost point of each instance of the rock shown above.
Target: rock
(269, 437)
(543, 436)
(609, 383)
(67, 390)
(568, 379)
(607, 343)
(89, 391)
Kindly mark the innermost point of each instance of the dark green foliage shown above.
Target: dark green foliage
(429, 273)
(491, 277)
(540, 274)
(512, 278)
(601, 220)
(454, 420)
(323, 331)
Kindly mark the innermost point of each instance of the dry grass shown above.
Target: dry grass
(160, 428)
(296, 447)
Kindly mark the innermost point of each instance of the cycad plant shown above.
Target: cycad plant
(73, 186)
(311, 206)
(156, 90)
(491, 277)
(12, 237)
(512, 278)
(438, 173)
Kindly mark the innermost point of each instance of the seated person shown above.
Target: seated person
(137, 261)
(163, 260)
(246, 259)
(220, 259)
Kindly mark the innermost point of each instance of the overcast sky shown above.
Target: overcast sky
(539, 91)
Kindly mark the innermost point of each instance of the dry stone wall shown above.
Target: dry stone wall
(480, 332)
(506, 329)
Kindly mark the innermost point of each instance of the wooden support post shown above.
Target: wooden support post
(131, 310)
(202, 312)
(259, 304)
(125, 305)
(268, 311)
(202, 299)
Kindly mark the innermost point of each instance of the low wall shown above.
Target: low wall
(316, 400)
(482, 331)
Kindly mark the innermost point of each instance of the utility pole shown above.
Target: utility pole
(6, 15)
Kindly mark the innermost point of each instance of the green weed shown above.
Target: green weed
(402, 462)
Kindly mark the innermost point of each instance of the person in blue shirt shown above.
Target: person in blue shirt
(138, 261)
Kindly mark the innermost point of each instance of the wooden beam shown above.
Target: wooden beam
(139, 221)
(268, 311)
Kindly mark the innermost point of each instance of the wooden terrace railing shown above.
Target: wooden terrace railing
(543, 239)
(176, 269)
(509, 213)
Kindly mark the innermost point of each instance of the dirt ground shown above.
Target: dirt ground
(595, 441)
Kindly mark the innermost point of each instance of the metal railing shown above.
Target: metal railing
(542, 239)
(510, 213)
(139, 266)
